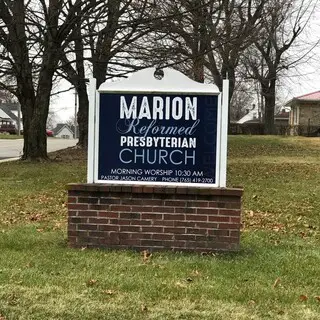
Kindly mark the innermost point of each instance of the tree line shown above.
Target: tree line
(208, 40)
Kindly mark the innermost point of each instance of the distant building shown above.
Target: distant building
(63, 131)
(305, 114)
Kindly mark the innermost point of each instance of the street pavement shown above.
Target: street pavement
(12, 148)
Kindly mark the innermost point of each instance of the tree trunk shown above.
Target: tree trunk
(82, 116)
(269, 95)
(34, 132)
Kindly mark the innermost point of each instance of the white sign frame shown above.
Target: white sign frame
(173, 82)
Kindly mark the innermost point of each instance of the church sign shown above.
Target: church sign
(157, 131)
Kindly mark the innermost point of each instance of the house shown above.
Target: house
(305, 114)
(64, 131)
(253, 122)
(251, 114)
(10, 111)
(9, 118)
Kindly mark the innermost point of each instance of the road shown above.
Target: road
(12, 148)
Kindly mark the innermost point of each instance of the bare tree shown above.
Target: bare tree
(283, 21)
(32, 36)
(102, 46)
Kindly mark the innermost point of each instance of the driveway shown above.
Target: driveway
(12, 148)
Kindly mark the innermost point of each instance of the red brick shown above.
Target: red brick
(208, 211)
(235, 233)
(206, 225)
(193, 231)
(88, 200)
(87, 227)
(230, 212)
(130, 202)
(77, 206)
(185, 237)
(235, 219)
(129, 215)
(131, 242)
(72, 226)
(130, 228)
(197, 204)
(167, 223)
(196, 217)
(108, 228)
(96, 234)
(72, 233)
(175, 203)
(98, 220)
(152, 243)
(162, 236)
(174, 230)
(218, 233)
(121, 208)
(141, 209)
(109, 201)
(185, 210)
(151, 229)
(72, 199)
(108, 214)
(219, 219)
(163, 209)
(153, 216)
(185, 223)
(147, 189)
(140, 222)
(231, 226)
(173, 216)
(87, 213)
(98, 207)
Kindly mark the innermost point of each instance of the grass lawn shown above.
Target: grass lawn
(10, 136)
(276, 275)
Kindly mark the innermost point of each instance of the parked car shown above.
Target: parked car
(7, 126)
(49, 133)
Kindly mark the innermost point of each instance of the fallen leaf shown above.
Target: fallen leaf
(303, 297)
(252, 302)
(276, 283)
(91, 282)
(180, 285)
(144, 308)
(109, 292)
(146, 256)
(317, 298)
(189, 279)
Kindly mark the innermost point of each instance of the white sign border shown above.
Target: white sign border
(94, 121)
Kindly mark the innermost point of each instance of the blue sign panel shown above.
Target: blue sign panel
(155, 138)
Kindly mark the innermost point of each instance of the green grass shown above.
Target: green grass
(276, 274)
(10, 136)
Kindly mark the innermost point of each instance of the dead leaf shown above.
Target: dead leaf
(303, 297)
(276, 283)
(252, 302)
(180, 285)
(144, 308)
(146, 256)
(108, 292)
(317, 298)
(91, 282)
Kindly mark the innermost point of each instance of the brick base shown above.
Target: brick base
(154, 218)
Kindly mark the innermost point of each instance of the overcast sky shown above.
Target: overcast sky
(301, 80)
